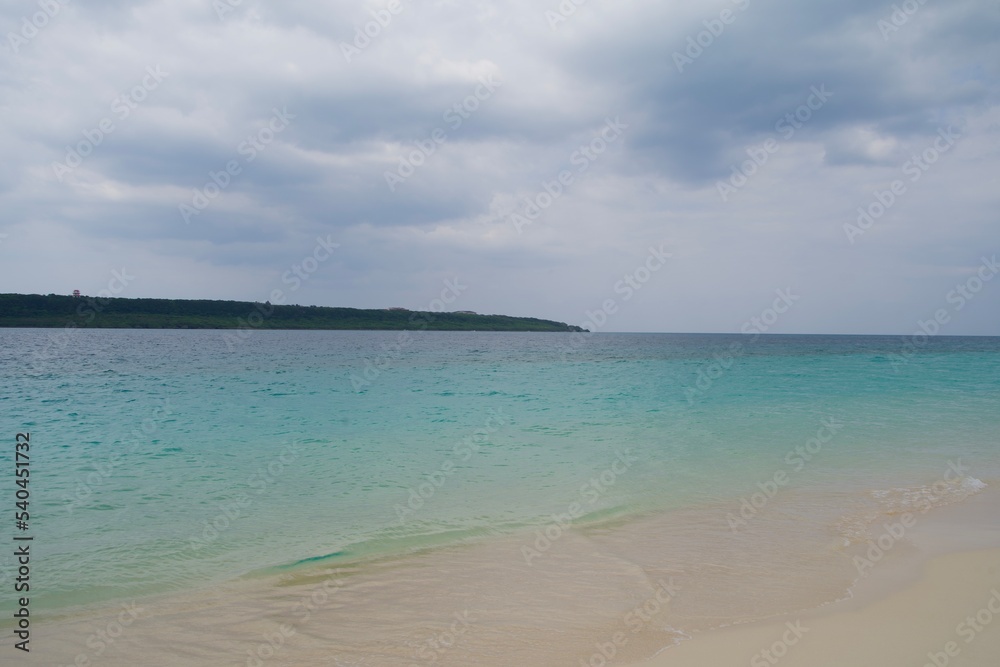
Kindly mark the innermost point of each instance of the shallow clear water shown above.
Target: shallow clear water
(168, 460)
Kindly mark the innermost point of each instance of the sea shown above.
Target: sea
(542, 484)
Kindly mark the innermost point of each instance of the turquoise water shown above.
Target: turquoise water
(168, 460)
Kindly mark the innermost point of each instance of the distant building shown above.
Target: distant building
(76, 293)
(466, 312)
(398, 308)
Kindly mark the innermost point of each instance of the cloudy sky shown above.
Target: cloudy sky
(544, 157)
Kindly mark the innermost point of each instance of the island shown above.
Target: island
(54, 310)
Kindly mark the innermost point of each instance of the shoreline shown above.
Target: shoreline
(581, 595)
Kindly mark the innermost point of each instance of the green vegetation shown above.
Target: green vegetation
(35, 310)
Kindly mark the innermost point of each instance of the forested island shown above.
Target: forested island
(53, 310)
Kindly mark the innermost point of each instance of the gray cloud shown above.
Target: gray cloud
(356, 116)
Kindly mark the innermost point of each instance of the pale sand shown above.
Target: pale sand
(554, 612)
(900, 629)
(909, 606)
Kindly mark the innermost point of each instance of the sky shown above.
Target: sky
(823, 167)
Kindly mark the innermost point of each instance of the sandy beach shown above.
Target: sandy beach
(949, 616)
(929, 606)
(931, 597)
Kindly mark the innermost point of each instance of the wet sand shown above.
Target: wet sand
(616, 593)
